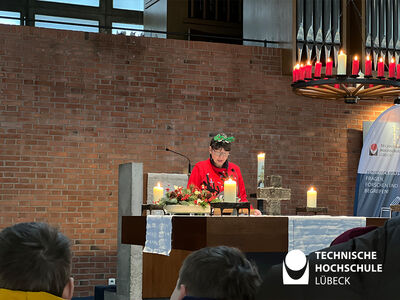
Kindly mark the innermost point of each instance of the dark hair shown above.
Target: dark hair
(218, 145)
(219, 273)
(34, 257)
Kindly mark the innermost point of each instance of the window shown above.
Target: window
(79, 2)
(128, 4)
(5, 15)
(40, 21)
(123, 28)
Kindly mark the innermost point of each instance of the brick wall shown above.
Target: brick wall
(74, 106)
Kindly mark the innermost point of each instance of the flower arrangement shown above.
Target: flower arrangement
(188, 196)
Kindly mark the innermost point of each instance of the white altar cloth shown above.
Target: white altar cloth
(158, 234)
(311, 233)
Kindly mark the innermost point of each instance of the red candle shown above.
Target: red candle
(317, 71)
(355, 66)
(329, 65)
(398, 71)
(392, 69)
(368, 66)
(308, 72)
(381, 68)
(296, 73)
(302, 70)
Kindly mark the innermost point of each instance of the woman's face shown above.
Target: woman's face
(219, 156)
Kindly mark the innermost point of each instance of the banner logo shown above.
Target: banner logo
(295, 268)
(373, 150)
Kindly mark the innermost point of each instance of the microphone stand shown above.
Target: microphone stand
(189, 166)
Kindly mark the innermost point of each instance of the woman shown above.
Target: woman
(210, 174)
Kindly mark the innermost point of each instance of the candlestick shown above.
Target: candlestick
(381, 68)
(260, 169)
(342, 60)
(230, 190)
(368, 67)
(328, 69)
(308, 71)
(317, 71)
(355, 66)
(392, 69)
(158, 193)
(311, 198)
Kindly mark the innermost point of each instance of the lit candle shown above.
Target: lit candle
(368, 66)
(392, 69)
(308, 71)
(301, 72)
(398, 71)
(317, 71)
(342, 60)
(297, 72)
(381, 68)
(311, 198)
(355, 66)
(329, 65)
(158, 193)
(230, 190)
(260, 169)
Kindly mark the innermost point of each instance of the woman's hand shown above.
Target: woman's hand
(256, 212)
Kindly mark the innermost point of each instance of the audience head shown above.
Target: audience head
(221, 273)
(35, 257)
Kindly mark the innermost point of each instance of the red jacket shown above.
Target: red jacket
(207, 176)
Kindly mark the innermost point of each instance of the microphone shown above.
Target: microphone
(189, 167)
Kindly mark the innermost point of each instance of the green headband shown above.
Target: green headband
(223, 138)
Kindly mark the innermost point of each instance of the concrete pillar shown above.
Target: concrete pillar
(130, 257)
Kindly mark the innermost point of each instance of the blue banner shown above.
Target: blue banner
(378, 175)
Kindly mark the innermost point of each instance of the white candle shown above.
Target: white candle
(260, 169)
(230, 190)
(342, 60)
(311, 198)
(158, 193)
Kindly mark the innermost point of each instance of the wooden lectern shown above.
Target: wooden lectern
(189, 233)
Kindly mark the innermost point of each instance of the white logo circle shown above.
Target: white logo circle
(295, 260)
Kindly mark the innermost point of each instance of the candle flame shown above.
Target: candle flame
(311, 189)
(368, 57)
(158, 184)
(329, 59)
(355, 57)
(261, 155)
(381, 59)
(298, 66)
(308, 62)
(392, 60)
(230, 181)
(341, 52)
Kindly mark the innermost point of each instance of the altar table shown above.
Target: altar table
(265, 234)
